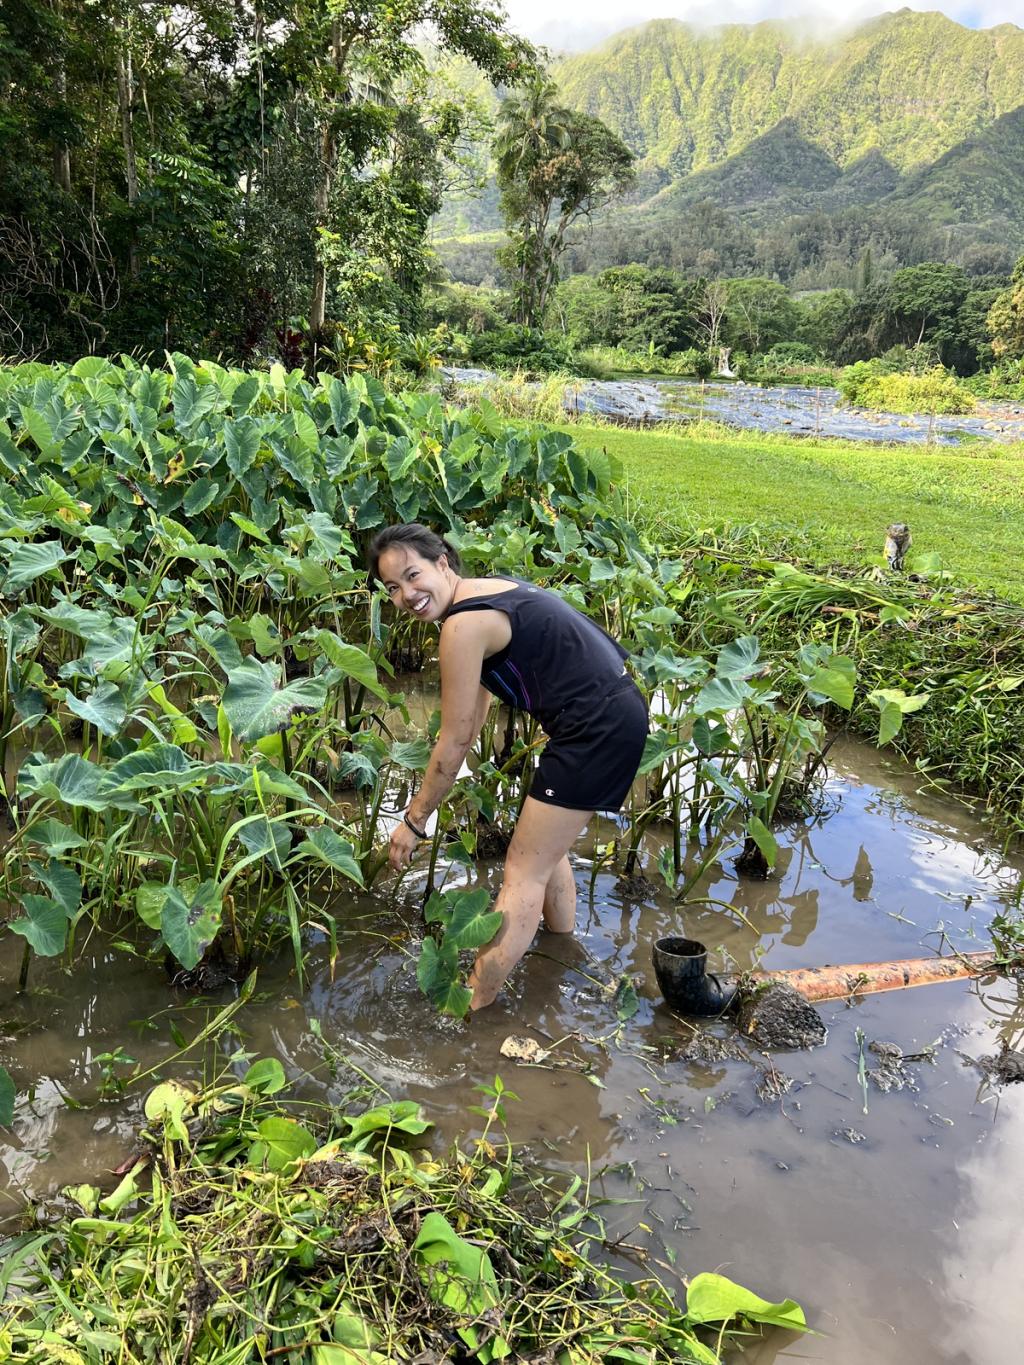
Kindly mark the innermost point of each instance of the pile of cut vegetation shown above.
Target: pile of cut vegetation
(249, 1229)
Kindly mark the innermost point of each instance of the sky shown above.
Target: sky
(582, 23)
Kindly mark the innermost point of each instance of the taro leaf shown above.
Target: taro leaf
(835, 681)
(45, 925)
(437, 973)
(242, 442)
(53, 837)
(360, 766)
(893, 704)
(149, 903)
(471, 924)
(104, 708)
(190, 401)
(267, 1076)
(343, 403)
(354, 1340)
(168, 1103)
(713, 1298)
(29, 562)
(199, 496)
(401, 1116)
(740, 659)
(459, 1275)
(265, 635)
(281, 1141)
(412, 754)
(331, 849)
(62, 882)
(722, 694)
(182, 729)
(764, 839)
(74, 781)
(257, 706)
(6, 1098)
(267, 839)
(154, 769)
(352, 660)
(30, 704)
(189, 927)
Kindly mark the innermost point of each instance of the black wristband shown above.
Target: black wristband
(420, 833)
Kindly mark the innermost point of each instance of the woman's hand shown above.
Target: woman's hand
(403, 845)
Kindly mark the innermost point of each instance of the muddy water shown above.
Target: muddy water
(898, 1228)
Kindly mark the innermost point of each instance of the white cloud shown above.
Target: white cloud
(579, 23)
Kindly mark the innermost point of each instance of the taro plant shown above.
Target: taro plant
(462, 921)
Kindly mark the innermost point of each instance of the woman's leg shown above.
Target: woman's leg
(560, 899)
(542, 838)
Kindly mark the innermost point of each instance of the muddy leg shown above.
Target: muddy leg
(542, 838)
(560, 900)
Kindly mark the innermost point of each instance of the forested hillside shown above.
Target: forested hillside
(902, 137)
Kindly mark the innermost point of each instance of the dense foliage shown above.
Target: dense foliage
(204, 176)
(186, 611)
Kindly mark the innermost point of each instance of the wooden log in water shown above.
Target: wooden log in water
(865, 978)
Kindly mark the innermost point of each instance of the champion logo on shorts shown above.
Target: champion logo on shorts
(548, 791)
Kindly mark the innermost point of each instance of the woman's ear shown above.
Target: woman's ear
(442, 562)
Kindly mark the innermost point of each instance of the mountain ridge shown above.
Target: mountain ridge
(893, 129)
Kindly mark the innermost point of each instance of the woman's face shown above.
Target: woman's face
(416, 585)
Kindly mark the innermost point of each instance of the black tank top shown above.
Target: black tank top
(557, 657)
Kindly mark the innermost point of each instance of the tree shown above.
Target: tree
(555, 167)
(628, 305)
(1006, 318)
(761, 312)
(924, 304)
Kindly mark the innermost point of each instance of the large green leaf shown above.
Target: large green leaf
(256, 705)
(459, 1275)
(713, 1298)
(200, 496)
(402, 1116)
(29, 562)
(740, 659)
(74, 781)
(242, 441)
(54, 837)
(190, 926)
(471, 924)
(44, 925)
(330, 848)
(62, 882)
(352, 660)
(437, 973)
(104, 708)
(281, 1142)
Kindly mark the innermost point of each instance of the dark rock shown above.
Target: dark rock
(777, 1016)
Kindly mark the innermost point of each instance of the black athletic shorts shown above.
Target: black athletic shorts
(591, 763)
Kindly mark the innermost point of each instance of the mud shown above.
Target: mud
(776, 1016)
(893, 1227)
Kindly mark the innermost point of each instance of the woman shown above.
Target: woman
(533, 651)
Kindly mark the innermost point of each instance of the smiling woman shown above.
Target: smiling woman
(508, 638)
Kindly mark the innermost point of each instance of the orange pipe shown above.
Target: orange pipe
(864, 978)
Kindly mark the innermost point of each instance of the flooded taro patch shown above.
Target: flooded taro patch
(869, 1177)
(209, 726)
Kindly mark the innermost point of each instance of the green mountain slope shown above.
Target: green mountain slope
(909, 84)
(904, 134)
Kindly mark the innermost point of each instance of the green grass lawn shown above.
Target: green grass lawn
(833, 502)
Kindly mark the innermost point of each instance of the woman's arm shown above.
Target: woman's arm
(463, 709)
(463, 640)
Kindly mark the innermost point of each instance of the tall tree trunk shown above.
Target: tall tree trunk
(125, 96)
(61, 152)
(321, 203)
